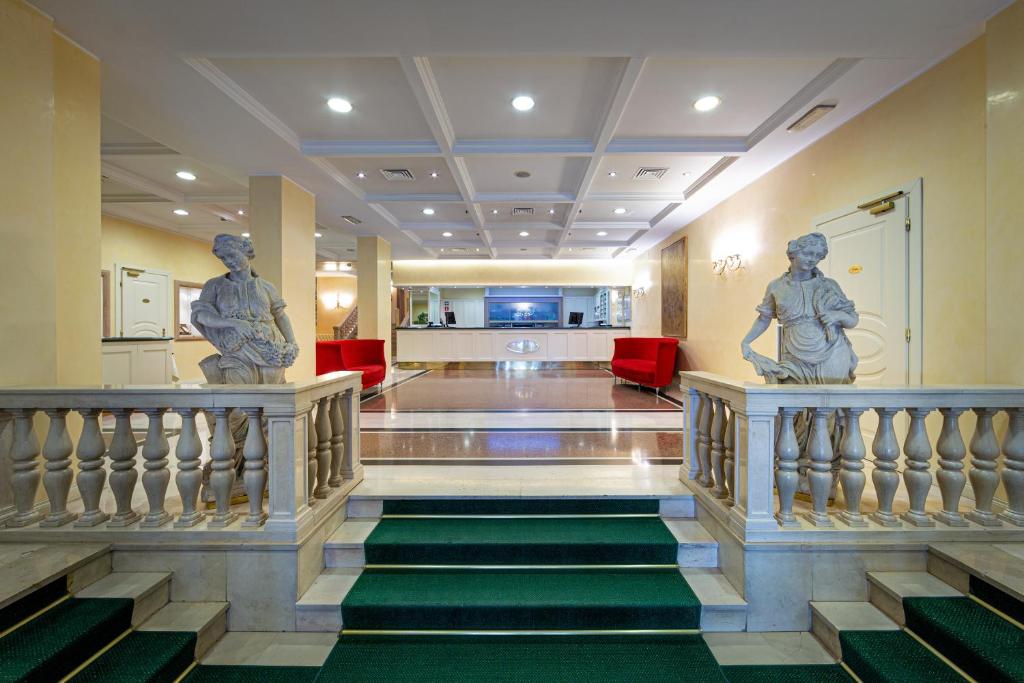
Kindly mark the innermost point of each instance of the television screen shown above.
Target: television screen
(449, 317)
(575, 317)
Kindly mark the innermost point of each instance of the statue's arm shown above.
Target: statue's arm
(756, 330)
(285, 325)
(204, 310)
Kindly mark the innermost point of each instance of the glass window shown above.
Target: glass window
(184, 294)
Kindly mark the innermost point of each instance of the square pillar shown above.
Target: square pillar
(374, 292)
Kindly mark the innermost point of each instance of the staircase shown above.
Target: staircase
(349, 327)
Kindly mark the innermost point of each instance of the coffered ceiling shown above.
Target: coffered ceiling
(612, 157)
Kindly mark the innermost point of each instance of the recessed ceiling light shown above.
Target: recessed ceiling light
(522, 102)
(687, 173)
(245, 234)
(602, 233)
(494, 211)
(446, 234)
(241, 212)
(524, 234)
(551, 211)
(433, 174)
(612, 174)
(428, 211)
(707, 103)
(340, 105)
(318, 235)
(180, 212)
(619, 211)
(186, 175)
(361, 174)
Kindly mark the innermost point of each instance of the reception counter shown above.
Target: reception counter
(432, 344)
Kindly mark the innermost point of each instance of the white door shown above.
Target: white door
(871, 256)
(145, 309)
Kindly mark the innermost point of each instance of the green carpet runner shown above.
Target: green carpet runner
(787, 673)
(893, 657)
(142, 657)
(54, 643)
(206, 673)
(1007, 604)
(41, 597)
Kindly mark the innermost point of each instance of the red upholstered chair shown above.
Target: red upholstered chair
(364, 355)
(649, 361)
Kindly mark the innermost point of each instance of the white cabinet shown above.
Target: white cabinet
(137, 362)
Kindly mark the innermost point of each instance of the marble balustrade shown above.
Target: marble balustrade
(302, 442)
(744, 445)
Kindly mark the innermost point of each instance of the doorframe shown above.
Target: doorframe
(914, 193)
(119, 294)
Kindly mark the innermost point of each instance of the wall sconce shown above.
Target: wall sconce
(726, 264)
(639, 292)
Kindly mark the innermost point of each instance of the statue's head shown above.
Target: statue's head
(807, 251)
(234, 252)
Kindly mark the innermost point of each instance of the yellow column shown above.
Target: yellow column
(282, 222)
(373, 288)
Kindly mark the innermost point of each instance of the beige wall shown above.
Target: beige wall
(513, 272)
(328, 287)
(374, 291)
(186, 259)
(934, 128)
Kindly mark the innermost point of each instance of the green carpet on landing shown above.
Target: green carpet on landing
(143, 657)
(207, 673)
(980, 642)
(543, 540)
(520, 599)
(1007, 604)
(522, 506)
(33, 602)
(54, 643)
(893, 657)
(517, 659)
(786, 673)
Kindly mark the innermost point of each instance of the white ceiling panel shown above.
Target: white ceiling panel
(589, 252)
(420, 167)
(491, 174)
(112, 132)
(161, 169)
(162, 214)
(604, 212)
(571, 94)
(444, 213)
(112, 188)
(751, 90)
(682, 171)
(297, 90)
(581, 234)
(542, 213)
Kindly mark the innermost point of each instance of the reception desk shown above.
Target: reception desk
(433, 344)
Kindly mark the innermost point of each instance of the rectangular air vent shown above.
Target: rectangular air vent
(522, 211)
(352, 219)
(810, 117)
(400, 174)
(650, 172)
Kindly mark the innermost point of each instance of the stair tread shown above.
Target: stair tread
(25, 567)
(912, 584)
(893, 656)
(689, 532)
(330, 588)
(143, 656)
(854, 616)
(450, 505)
(713, 589)
(134, 585)
(351, 534)
(184, 616)
(991, 563)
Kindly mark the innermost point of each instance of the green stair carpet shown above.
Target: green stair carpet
(20, 610)
(522, 506)
(542, 540)
(253, 674)
(786, 673)
(980, 642)
(893, 657)
(515, 659)
(142, 657)
(520, 599)
(1007, 604)
(54, 643)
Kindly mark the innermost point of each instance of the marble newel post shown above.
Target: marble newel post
(755, 471)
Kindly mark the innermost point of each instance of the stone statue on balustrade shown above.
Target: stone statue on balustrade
(243, 316)
(814, 349)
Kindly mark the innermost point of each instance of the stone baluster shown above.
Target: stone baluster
(730, 458)
(323, 447)
(57, 451)
(697, 419)
(916, 475)
(984, 479)
(351, 466)
(337, 442)
(718, 449)
(222, 468)
(91, 474)
(885, 478)
(25, 466)
(1013, 468)
(852, 476)
(787, 478)
(156, 476)
(819, 469)
(189, 478)
(311, 463)
(123, 476)
(254, 451)
(707, 415)
(951, 478)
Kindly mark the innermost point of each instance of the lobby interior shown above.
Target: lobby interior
(558, 223)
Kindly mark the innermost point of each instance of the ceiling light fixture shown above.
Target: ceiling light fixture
(330, 266)
(433, 174)
(241, 212)
(180, 212)
(619, 211)
(360, 175)
(340, 105)
(245, 234)
(494, 211)
(446, 234)
(318, 235)
(524, 234)
(551, 211)
(428, 211)
(522, 103)
(602, 233)
(186, 175)
(612, 174)
(707, 103)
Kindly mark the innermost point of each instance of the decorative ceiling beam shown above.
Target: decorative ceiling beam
(130, 199)
(438, 198)
(684, 145)
(370, 148)
(132, 179)
(134, 149)
(585, 244)
(439, 225)
(238, 198)
(525, 197)
(519, 146)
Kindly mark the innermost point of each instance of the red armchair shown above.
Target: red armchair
(365, 355)
(649, 361)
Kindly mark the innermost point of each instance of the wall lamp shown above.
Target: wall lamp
(639, 292)
(726, 264)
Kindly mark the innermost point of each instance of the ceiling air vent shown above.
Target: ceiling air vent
(400, 174)
(522, 211)
(352, 219)
(650, 172)
(810, 117)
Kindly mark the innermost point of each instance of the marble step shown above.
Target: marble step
(777, 648)
(319, 608)
(372, 507)
(829, 618)
(149, 590)
(208, 620)
(25, 567)
(1000, 565)
(345, 547)
(886, 591)
(722, 608)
